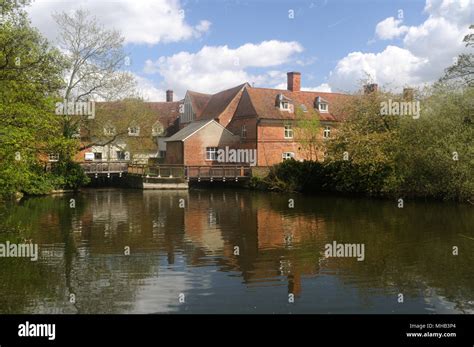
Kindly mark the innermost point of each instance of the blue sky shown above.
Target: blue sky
(210, 45)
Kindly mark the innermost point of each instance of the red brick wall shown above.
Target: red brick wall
(211, 136)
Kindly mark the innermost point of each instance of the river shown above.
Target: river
(235, 251)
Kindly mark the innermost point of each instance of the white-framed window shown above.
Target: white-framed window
(211, 153)
(157, 129)
(109, 130)
(288, 131)
(243, 132)
(323, 107)
(327, 132)
(134, 130)
(53, 157)
(285, 105)
(287, 155)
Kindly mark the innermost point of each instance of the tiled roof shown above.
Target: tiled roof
(218, 102)
(188, 130)
(166, 113)
(198, 101)
(260, 102)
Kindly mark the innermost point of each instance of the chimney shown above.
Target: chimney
(169, 95)
(371, 88)
(408, 94)
(294, 81)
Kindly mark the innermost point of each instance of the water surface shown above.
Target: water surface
(191, 253)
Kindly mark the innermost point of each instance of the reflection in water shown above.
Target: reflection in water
(235, 251)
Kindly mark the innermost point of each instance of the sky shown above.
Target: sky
(211, 45)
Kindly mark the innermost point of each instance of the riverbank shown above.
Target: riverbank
(348, 179)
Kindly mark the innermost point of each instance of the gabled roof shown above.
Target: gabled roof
(219, 102)
(198, 101)
(260, 102)
(193, 128)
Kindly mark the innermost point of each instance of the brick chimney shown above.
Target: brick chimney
(169, 95)
(294, 81)
(408, 94)
(371, 88)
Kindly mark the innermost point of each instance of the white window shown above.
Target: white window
(243, 132)
(288, 132)
(211, 153)
(109, 130)
(157, 129)
(327, 132)
(323, 107)
(53, 157)
(288, 155)
(134, 130)
(285, 105)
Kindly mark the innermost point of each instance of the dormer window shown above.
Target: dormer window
(157, 129)
(133, 130)
(321, 105)
(109, 130)
(53, 157)
(284, 103)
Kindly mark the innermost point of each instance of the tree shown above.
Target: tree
(115, 121)
(308, 133)
(95, 58)
(30, 78)
(462, 72)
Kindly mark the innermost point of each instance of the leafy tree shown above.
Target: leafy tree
(30, 76)
(308, 133)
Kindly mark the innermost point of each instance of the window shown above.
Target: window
(97, 156)
(285, 105)
(109, 130)
(327, 132)
(121, 155)
(211, 153)
(134, 130)
(52, 157)
(288, 155)
(303, 108)
(288, 132)
(323, 107)
(157, 129)
(161, 154)
(243, 132)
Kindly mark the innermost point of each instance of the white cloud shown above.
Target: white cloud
(427, 49)
(214, 68)
(141, 22)
(148, 90)
(323, 87)
(390, 28)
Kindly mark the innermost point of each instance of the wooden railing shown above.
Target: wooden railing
(157, 170)
(105, 167)
(203, 172)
